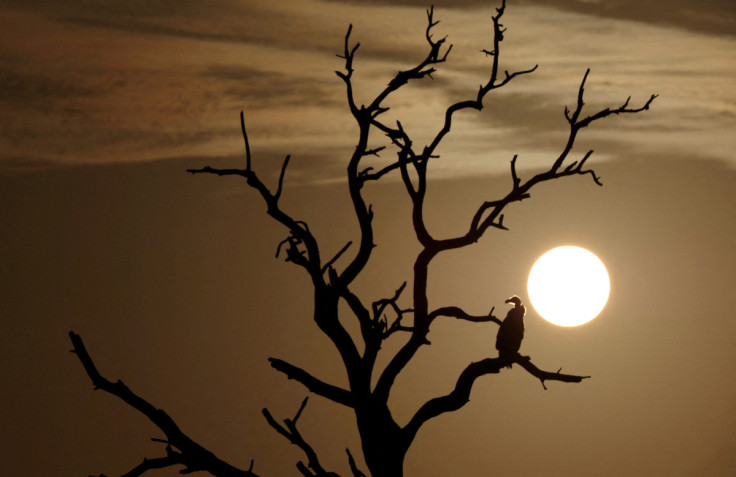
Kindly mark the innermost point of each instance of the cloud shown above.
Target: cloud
(117, 81)
(709, 16)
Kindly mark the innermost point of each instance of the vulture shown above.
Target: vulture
(511, 331)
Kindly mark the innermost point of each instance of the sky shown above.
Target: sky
(171, 279)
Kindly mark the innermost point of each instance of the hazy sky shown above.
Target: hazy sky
(171, 281)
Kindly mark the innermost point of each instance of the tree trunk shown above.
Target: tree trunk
(384, 443)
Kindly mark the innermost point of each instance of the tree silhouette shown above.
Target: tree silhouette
(384, 442)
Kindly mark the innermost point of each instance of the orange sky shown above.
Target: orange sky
(171, 281)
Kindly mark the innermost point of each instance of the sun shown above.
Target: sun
(568, 286)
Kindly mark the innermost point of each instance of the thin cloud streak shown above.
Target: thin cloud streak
(171, 84)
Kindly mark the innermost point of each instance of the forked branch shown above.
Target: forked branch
(460, 395)
(489, 214)
(379, 316)
(425, 68)
(180, 448)
(313, 468)
(299, 232)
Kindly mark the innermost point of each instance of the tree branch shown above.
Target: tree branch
(188, 453)
(337, 256)
(298, 229)
(379, 307)
(245, 139)
(456, 312)
(315, 385)
(348, 55)
(151, 464)
(489, 214)
(548, 376)
(424, 68)
(493, 83)
(313, 468)
(455, 399)
(353, 466)
(461, 394)
(277, 195)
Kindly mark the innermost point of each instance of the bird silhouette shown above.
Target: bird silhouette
(511, 331)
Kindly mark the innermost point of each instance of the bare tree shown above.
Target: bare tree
(384, 441)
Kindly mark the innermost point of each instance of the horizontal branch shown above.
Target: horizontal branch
(456, 312)
(547, 375)
(317, 386)
(191, 455)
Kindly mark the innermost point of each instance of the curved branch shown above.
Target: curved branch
(191, 455)
(455, 399)
(461, 394)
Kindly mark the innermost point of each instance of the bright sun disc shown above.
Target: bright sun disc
(568, 286)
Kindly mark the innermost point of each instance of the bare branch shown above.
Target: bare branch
(290, 431)
(397, 326)
(577, 124)
(380, 305)
(337, 256)
(461, 394)
(493, 83)
(424, 68)
(514, 177)
(151, 464)
(245, 138)
(456, 312)
(188, 453)
(489, 214)
(348, 55)
(277, 195)
(310, 260)
(315, 385)
(543, 376)
(458, 397)
(380, 319)
(374, 151)
(366, 174)
(353, 466)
